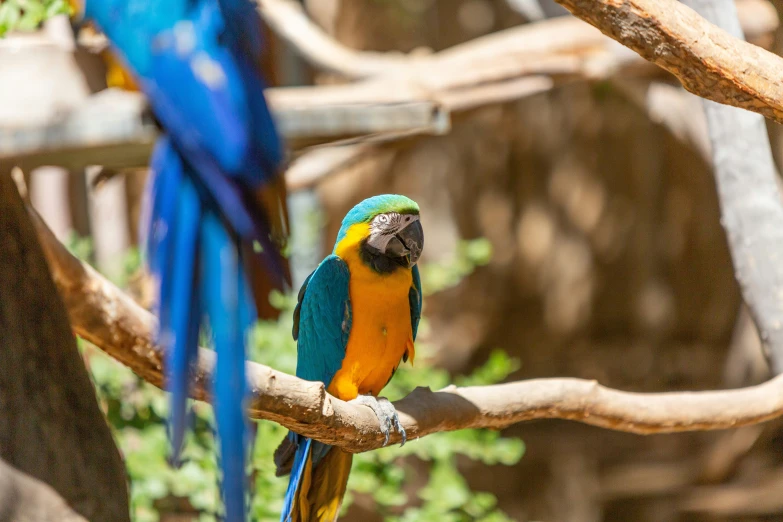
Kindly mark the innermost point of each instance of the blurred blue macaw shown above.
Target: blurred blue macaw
(216, 209)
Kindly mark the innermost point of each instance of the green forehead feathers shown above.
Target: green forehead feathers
(371, 207)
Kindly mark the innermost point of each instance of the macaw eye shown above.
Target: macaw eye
(383, 218)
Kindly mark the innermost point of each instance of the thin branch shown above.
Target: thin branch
(707, 60)
(290, 23)
(105, 316)
(113, 128)
(751, 207)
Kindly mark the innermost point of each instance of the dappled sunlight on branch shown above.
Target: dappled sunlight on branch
(105, 316)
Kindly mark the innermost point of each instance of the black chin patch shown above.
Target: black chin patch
(379, 262)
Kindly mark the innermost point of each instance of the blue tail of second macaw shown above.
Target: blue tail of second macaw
(198, 262)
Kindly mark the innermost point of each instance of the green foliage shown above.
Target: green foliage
(136, 412)
(436, 277)
(27, 15)
(79, 247)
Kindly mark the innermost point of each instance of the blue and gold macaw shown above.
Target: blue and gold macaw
(356, 319)
(216, 212)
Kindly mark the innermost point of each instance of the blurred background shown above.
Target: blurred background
(572, 229)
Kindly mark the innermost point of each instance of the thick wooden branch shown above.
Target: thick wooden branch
(707, 60)
(105, 316)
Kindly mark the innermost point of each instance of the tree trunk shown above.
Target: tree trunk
(51, 427)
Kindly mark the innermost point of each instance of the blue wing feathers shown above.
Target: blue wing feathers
(322, 324)
(325, 308)
(167, 175)
(415, 300)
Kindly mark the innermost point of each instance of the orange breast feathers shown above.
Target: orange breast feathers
(381, 330)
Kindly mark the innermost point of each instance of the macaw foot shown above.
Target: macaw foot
(386, 414)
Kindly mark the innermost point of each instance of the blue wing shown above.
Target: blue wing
(414, 300)
(324, 324)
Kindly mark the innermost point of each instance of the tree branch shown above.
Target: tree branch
(751, 207)
(707, 60)
(402, 97)
(289, 22)
(105, 316)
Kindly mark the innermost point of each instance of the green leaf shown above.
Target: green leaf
(10, 14)
(496, 369)
(34, 14)
(57, 7)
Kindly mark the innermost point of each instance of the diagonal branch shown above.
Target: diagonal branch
(290, 23)
(707, 60)
(105, 316)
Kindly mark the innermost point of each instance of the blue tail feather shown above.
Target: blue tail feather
(222, 294)
(183, 311)
(300, 460)
(167, 178)
(247, 316)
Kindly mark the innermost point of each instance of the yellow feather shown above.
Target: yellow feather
(331, 481)
(381, 331)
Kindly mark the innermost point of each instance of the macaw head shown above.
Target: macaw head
(386, 230)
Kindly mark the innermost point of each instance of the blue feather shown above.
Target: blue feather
(300, 460)
(227, 312)
(324, 321)
(198, 63)
(182, 306)
(415, 300)
(167, 173)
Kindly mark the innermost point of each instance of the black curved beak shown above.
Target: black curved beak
(412, 239)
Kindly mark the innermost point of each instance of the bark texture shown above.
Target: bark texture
(51, 427)
(706, 59)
